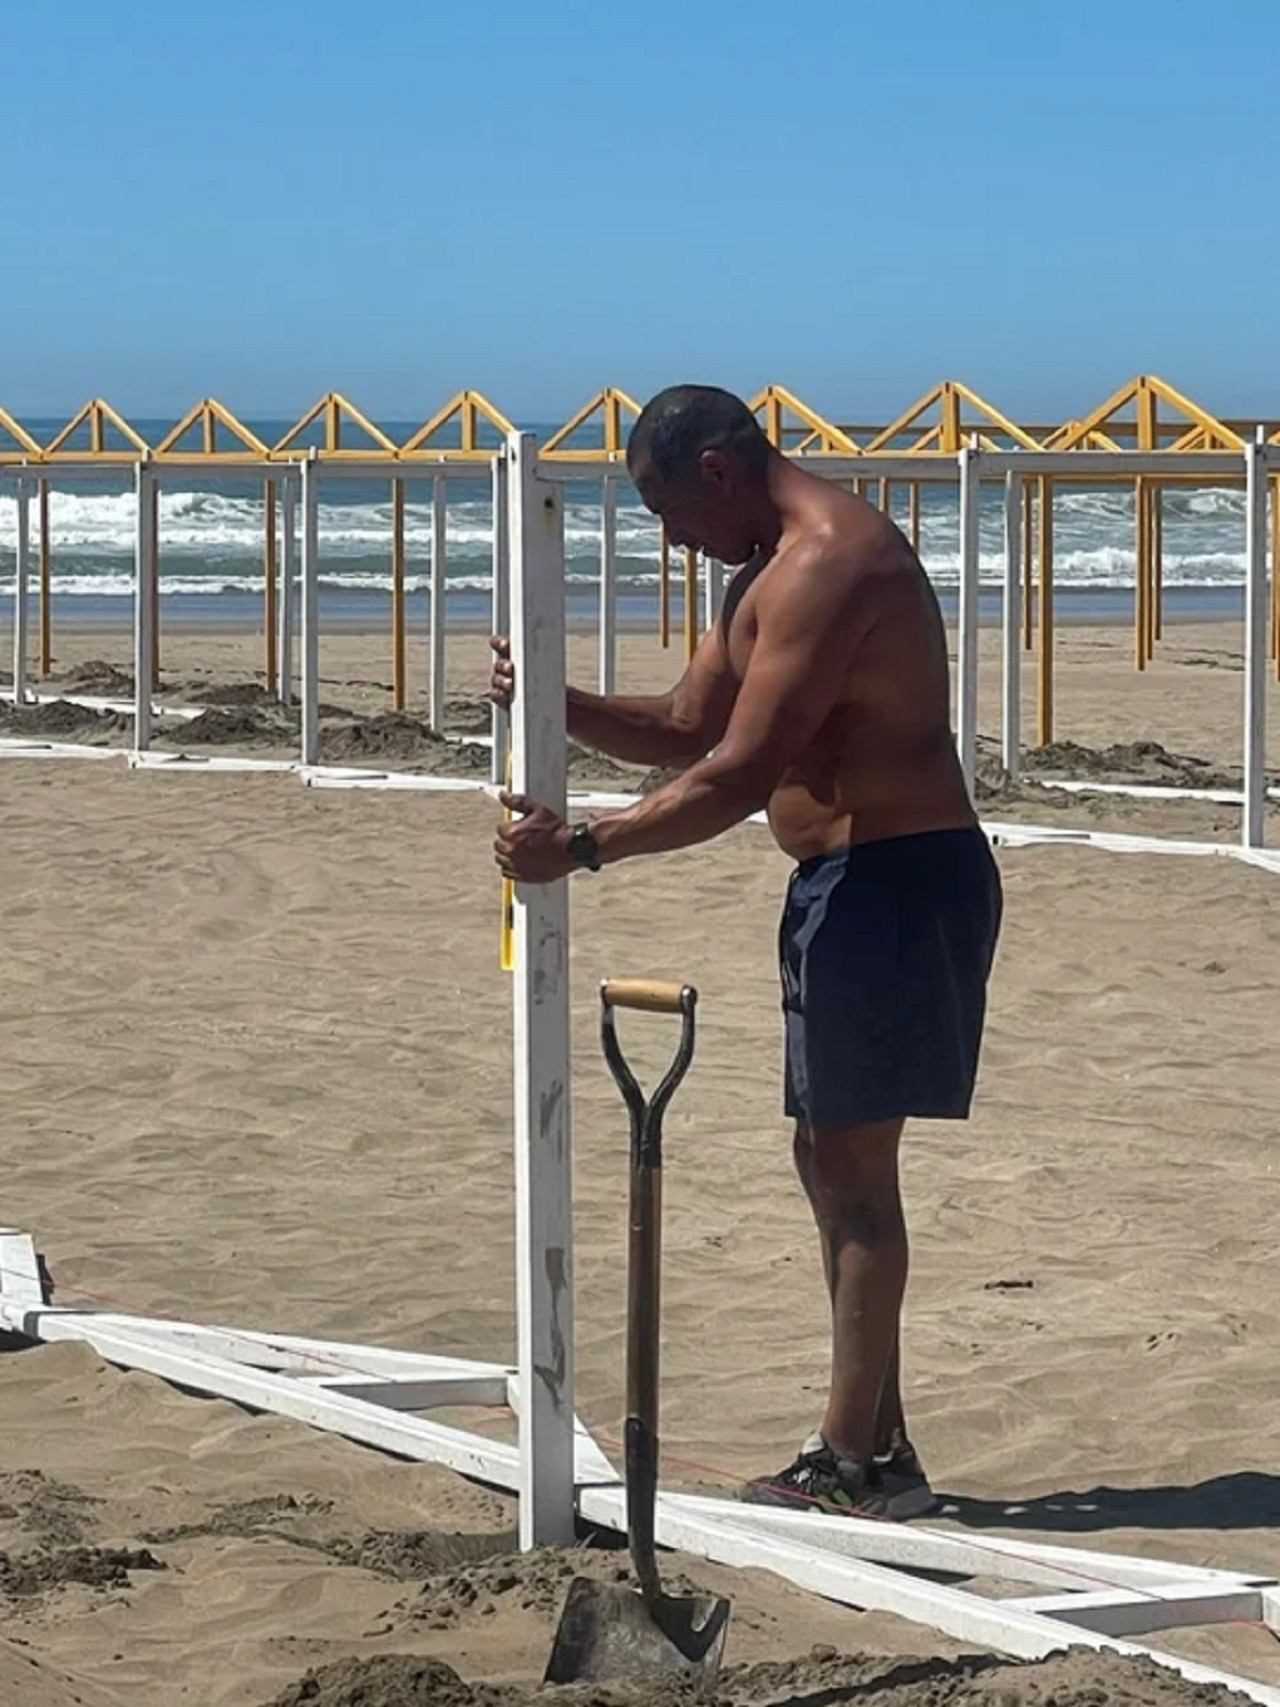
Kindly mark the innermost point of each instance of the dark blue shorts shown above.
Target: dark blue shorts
(886, 949)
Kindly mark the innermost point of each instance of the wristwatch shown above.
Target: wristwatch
(584, 850)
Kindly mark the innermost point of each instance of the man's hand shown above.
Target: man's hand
(502, 680)
(533, 848)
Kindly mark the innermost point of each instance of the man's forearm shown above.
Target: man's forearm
(707, 800)
(641, 730)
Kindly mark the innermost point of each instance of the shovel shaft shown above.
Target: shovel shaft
(644, 1286)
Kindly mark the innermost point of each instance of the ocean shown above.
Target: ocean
(211, 543)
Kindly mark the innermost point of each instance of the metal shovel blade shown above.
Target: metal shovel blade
(608, 1631)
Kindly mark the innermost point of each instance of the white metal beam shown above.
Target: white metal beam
(1255, 646)
(1011, 629)
(143, 609)
(969, 464)
(544, 1220)
(21, 573)
(439, 595)
(500, 604)
(310, 613)
(608, 622)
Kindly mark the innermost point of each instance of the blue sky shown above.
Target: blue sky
(265, 199)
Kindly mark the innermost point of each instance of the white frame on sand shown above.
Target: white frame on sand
(376, 1397)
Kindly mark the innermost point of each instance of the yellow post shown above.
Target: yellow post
(664, 590)
(1157, 565)
(269, 579)
(1028, 565)
(46, 574)
(1046, 611)
(1141, 589)
(886, 497)
(913, 516)
(860, 488)
(397, 595)
(155, 586)
(690, 603)
(507, 929)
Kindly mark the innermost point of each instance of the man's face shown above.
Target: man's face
(704, 510)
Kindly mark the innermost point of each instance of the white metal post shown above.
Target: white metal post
(1011, 638)
(609, 584)
(21, 573)
(967, 625)
(288, 588)
(1255, 643)
(544, 1213)
(713, 588)
(500, 596)
(439, 547)
(144, 480)
(310, 611)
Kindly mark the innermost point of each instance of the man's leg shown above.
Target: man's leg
(850, 1175)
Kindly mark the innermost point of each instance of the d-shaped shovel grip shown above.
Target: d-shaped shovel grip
(644, 1253)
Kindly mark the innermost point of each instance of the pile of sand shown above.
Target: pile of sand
(1080, 1678)
(97, 676)
(60, 719)
(1127, 761)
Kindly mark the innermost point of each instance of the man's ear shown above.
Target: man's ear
(715, 466)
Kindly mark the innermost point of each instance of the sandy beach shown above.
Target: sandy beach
(257, 1067)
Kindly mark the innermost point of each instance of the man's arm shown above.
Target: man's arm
(812, 615)
(670, 728)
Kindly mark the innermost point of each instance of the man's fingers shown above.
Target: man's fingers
(517, 802)
(501, 645)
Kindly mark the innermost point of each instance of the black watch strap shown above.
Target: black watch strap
(584, 850)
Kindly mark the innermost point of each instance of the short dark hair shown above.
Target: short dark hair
(676, 426)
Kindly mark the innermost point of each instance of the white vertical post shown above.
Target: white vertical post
(310, 611)
(500, 595)
(544, 1212)
(288, 589)
(1255, 642)
(1011, 636)
(439, 547)
(967, 626)
(609, 584)
(21, 574)
(713, 588)
(143, 610)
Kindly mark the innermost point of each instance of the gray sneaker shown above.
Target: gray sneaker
(904, 1486)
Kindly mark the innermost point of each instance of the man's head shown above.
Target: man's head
(700, 461)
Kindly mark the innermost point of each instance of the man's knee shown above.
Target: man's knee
(854, 1171)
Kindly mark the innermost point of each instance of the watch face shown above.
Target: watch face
(582, 845)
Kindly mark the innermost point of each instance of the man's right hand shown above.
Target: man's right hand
(502, 681)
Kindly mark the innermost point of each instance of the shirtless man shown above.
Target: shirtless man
(822, 696)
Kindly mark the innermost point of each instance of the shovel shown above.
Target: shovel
(608, 1630)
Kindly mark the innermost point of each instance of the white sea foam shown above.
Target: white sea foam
(211, 542)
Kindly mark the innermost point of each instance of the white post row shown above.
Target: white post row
(439, 549)
(1011, 635)
(608, 624)
(967, 616)
(21, 576)
(288, 589)
(544, 1215)
(1255, 643)
(310, 611)
(500, 605)
(144, 481)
